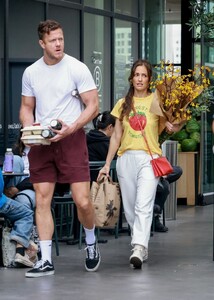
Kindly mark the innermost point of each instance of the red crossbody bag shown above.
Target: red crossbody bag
(161, 166)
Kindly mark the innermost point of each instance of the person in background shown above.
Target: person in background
(20, 189)
(135, 174)
(21, 218)
(22, 184)
(58, 86)
(98, 139)
(163, 190)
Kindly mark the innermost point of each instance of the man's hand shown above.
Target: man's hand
(11, 191)
(63, 132)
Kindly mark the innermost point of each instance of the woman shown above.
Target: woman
(135, 174)
(98, 139)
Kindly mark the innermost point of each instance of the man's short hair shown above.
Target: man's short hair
(45, 27)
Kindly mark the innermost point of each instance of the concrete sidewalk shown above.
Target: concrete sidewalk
(180, 266)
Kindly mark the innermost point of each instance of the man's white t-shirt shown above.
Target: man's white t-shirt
(52, 87)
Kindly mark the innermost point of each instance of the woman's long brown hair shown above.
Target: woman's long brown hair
(128, 103)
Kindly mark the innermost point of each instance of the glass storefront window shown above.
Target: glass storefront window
(210, 54)
(173, 43)
(197, 54)
(97, 55)
(126, 52)
(100, 4)
(70, 20)
(128, 7)
(207, 155)
(21, 53)
(154, 31)
(28, 12)
(204, 55)
(75, 1)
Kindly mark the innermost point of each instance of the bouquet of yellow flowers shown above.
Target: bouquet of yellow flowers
(179, 97)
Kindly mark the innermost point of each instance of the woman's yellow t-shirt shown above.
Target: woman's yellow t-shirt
(132, 138)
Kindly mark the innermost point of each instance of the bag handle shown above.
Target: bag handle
(142, 132)
(104, 178)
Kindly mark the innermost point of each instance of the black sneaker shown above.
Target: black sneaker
(159, 227)
(93, 258)
(41, 268)
(157, 209)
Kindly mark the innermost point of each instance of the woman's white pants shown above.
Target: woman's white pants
(138, 188)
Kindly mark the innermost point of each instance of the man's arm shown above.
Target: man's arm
(91, 102)
(26, 114)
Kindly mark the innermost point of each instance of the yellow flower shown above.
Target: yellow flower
(181, 96)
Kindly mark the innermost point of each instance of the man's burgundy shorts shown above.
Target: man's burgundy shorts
(65, 161)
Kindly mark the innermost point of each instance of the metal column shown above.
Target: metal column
(171, 152)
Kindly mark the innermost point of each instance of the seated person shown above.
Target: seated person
(98, 139)
(22, 219)
(20, 165)
(163, 190)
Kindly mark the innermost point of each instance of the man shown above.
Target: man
(49, 89)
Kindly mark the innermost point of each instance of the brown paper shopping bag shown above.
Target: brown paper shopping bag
(105, 196)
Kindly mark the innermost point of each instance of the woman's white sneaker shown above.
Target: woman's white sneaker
(139, 255)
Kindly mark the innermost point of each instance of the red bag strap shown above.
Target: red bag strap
(142, 132)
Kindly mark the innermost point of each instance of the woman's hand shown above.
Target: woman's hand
(104, 171)
(173, 127)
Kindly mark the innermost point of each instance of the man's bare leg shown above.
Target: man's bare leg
(81, 195)
(44, 221)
